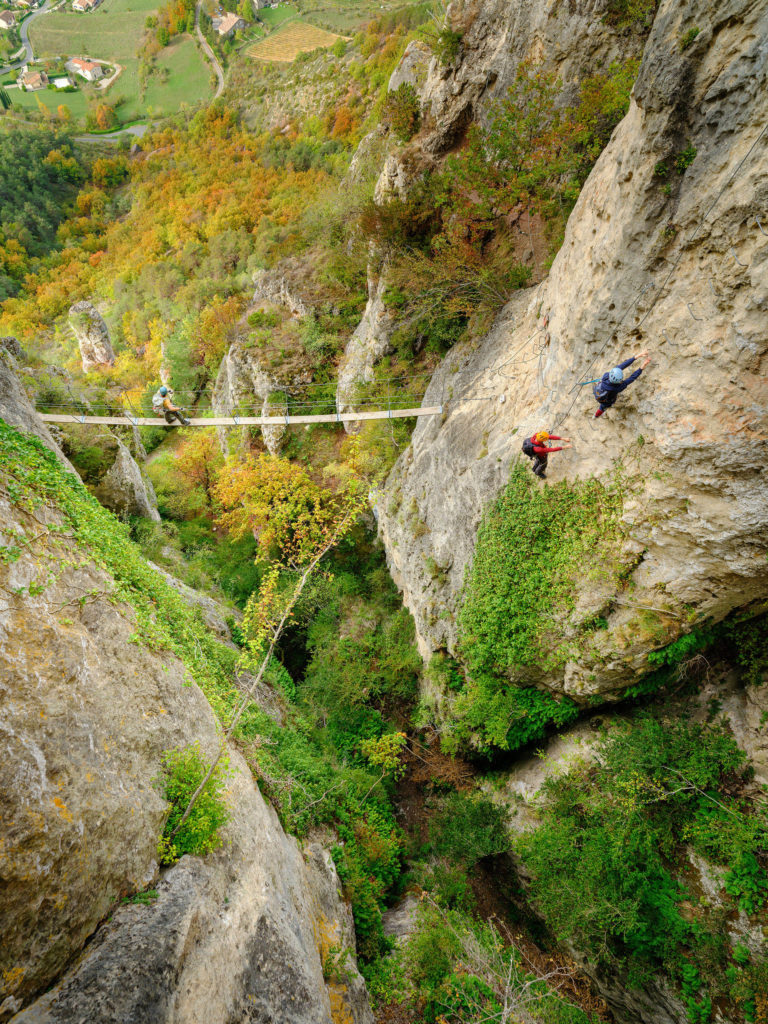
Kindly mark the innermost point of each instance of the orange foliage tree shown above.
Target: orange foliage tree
(278, 502)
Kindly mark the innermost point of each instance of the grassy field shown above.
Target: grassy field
(347, 16)
(274, 16)
(181, 78)
(287, 43)
(111, 32)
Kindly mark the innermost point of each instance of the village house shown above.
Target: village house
(228, 25)
(85, 5)
(7, 20)
(32, 80)
(87, 69)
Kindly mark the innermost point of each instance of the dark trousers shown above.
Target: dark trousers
(540, 465)
(175, 414)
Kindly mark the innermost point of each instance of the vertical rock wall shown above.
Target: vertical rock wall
(680, 270)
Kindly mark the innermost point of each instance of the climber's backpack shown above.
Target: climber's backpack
(528, 448)
(157, 403)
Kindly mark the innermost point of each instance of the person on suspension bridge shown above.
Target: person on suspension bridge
(611, 384)
(163, 406)
(536, 448)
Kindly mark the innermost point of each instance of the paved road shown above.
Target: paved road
(209, 52)
(24, 32)
(135, 129)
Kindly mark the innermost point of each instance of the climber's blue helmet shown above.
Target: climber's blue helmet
(616, 375)
(164, 390)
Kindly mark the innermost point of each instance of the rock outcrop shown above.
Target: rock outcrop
(15, 406)
(681, 270)
(92, 336)
(87, 712)
(213, 614)
(123, 489)
(365, 348)
(243, 387)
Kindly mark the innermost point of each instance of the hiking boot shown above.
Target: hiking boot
(599, 413)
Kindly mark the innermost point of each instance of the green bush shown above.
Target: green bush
(447, 45)
(629, 12)
(183, 771)
(468, 828)
(616, 829)
(402, 112)
(532, 547)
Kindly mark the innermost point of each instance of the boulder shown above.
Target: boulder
(92, 336)
(213, 614)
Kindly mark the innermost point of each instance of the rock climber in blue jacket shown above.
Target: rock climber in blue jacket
(611, 384)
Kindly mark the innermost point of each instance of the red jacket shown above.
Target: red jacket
(541, 450)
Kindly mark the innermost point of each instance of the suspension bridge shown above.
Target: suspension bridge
(391, 398)
(241, 421)
(403, 406)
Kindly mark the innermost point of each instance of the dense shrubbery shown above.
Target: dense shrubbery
(531, 546)
(455, 969)
(617, 829)
(183, 771)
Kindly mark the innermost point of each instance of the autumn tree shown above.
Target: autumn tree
(198, 462)
(307, 529)
(278, 502)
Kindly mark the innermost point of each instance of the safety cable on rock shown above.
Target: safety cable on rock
(658, 291)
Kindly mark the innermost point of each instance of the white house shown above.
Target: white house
(85, 5)
(87, 69)
(7, 20)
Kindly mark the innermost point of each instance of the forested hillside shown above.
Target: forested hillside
(362, 720)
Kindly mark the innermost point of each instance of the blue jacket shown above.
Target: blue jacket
(606, 392)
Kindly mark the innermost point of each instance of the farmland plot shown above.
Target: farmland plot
(286, 44)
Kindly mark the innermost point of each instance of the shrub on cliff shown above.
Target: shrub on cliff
(402, 112)
(619, 829)
(183, 770)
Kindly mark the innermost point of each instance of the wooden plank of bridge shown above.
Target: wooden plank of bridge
(243, 421)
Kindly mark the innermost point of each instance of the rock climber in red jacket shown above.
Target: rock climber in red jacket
(536, 448)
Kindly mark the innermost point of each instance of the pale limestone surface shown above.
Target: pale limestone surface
(125, 490)
(242, 382)
(85, 714)
(92, 336)
(370, 341)
(697, 522)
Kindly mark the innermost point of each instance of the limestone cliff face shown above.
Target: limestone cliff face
(124, 489)
(92, 336)
(85, 714)
(243, 383)
(681, 271)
